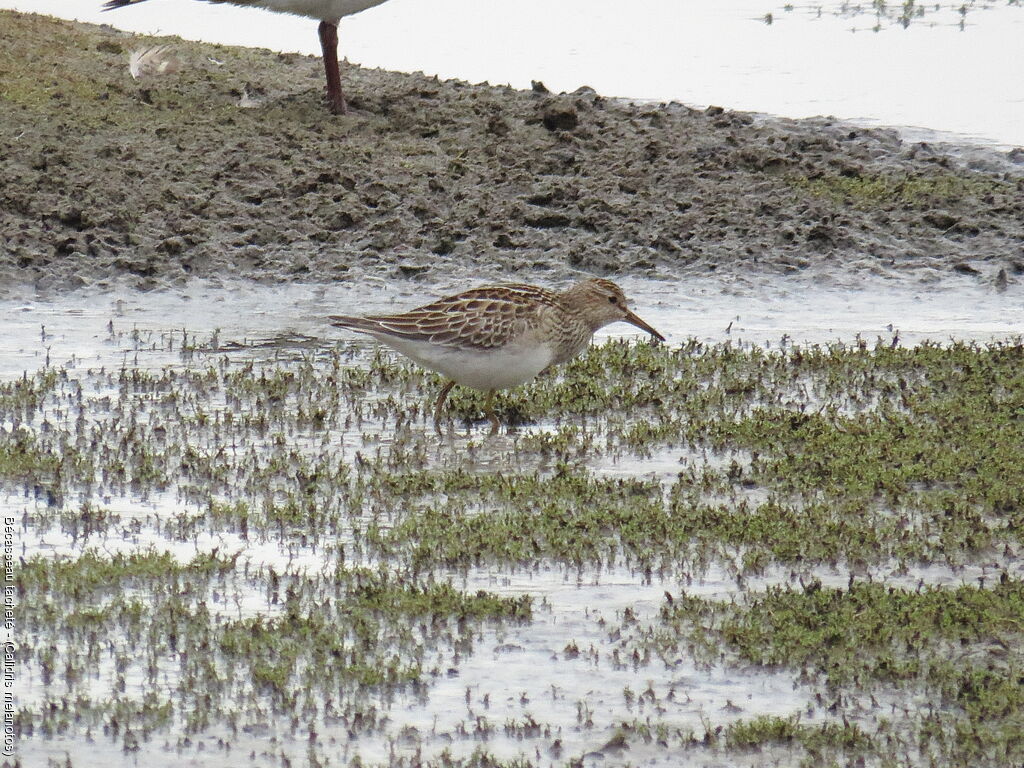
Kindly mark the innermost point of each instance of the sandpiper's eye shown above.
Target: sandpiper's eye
(613, 300)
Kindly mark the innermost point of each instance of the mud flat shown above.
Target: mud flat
(232, 168)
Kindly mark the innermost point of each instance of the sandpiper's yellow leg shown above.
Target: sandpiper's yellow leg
(440, 404)
(489, 412)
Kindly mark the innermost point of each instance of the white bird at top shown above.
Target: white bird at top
(329, 12)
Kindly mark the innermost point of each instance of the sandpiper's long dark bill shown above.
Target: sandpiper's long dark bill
(499, 336)
(329, 12)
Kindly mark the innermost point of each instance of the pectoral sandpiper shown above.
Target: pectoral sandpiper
(499, 336)
(329, 12)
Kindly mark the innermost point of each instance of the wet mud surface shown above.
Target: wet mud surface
(231, 167)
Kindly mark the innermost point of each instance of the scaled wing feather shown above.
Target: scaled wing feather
(482, 318)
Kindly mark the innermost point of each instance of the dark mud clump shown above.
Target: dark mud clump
(163, 178)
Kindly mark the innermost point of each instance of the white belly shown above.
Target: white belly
(478, 369)
(325, 10)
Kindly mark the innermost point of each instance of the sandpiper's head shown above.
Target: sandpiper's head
(604, 303)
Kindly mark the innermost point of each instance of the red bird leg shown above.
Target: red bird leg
(329, 45)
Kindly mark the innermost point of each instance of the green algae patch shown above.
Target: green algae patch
(871, 626)
(654, 462)
(349, 640)
(829, 454)
(883, 191)
(801, 455)
(958, 647)
(566, 517)
(83, 577)
(770, 730)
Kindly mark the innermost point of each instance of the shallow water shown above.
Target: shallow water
(518, 691)
(76, 329)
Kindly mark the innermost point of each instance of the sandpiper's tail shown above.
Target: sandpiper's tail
(361, 324)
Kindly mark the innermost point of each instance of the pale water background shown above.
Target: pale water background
(935, 76)
(71, 331)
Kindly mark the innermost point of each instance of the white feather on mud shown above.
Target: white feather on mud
(248, 100)
(153, 61)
